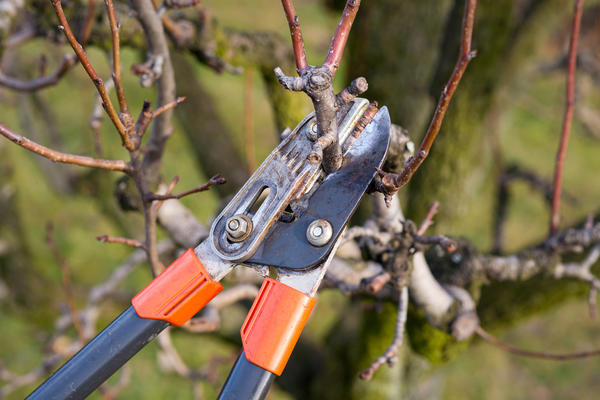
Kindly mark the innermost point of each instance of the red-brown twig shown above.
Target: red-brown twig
(146, 116)
(57, 156)
(43, 81)
(391, 183)
(568, 117)
(428, 221)
(86, 30)
(296, 33)
(66, 281)
(116, 50)
(338, 42)
(79, 51)
(158, 204)
(390, 355)
(121, 240)
(215, 180)
(535, 354)
(317, 83)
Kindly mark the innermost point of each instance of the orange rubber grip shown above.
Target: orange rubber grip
(178, 293)
(274, 324)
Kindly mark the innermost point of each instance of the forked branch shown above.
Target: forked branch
(80, 52)
(317, 83)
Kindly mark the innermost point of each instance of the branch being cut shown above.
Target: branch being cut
(296, 33)
(317, 83)
(568, 117)
(390, 183)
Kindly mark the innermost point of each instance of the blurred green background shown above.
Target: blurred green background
(523, 121)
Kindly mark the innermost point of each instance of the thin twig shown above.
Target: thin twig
(116, 50)
(568, 117)
(338, 42)
(215, 180)
(146, 116)
(86, 30)
(428, 221)
(390, 182)
(446, 243)
(390, 356)
(43, 81)
(57, 156)
(296, 33)
(534, 354)
(110, 110)
(126, 241)
(170, 188)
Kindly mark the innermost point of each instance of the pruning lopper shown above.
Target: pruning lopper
(286, 222)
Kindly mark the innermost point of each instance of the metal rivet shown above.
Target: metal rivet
(313, 131)
(238, 228)
(319, 232)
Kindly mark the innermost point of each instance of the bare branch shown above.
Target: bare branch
(338, 42)
(534, 354)
(86, 30)
(215, 180)
(126, 241)
(116, 51)
(57, 156)
(146, 116)
(80, 52)
(390, 356)
(428, 221)
(297, 42)
(390, 182)
(43, 81)
(568, 117)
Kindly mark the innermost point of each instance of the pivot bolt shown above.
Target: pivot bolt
(319, 232)
(238, 227)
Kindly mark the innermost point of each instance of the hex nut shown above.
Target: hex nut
(319, 232)
(238, 227)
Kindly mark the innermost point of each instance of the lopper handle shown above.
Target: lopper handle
(100, 358)
(246, 381)
(172, 298)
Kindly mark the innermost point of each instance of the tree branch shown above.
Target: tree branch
(42, 82)
(80, 52)
(390, 183)
(57, 156)
(568, 117)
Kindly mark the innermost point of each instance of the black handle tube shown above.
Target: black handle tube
(100, 358)
(246, 381)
